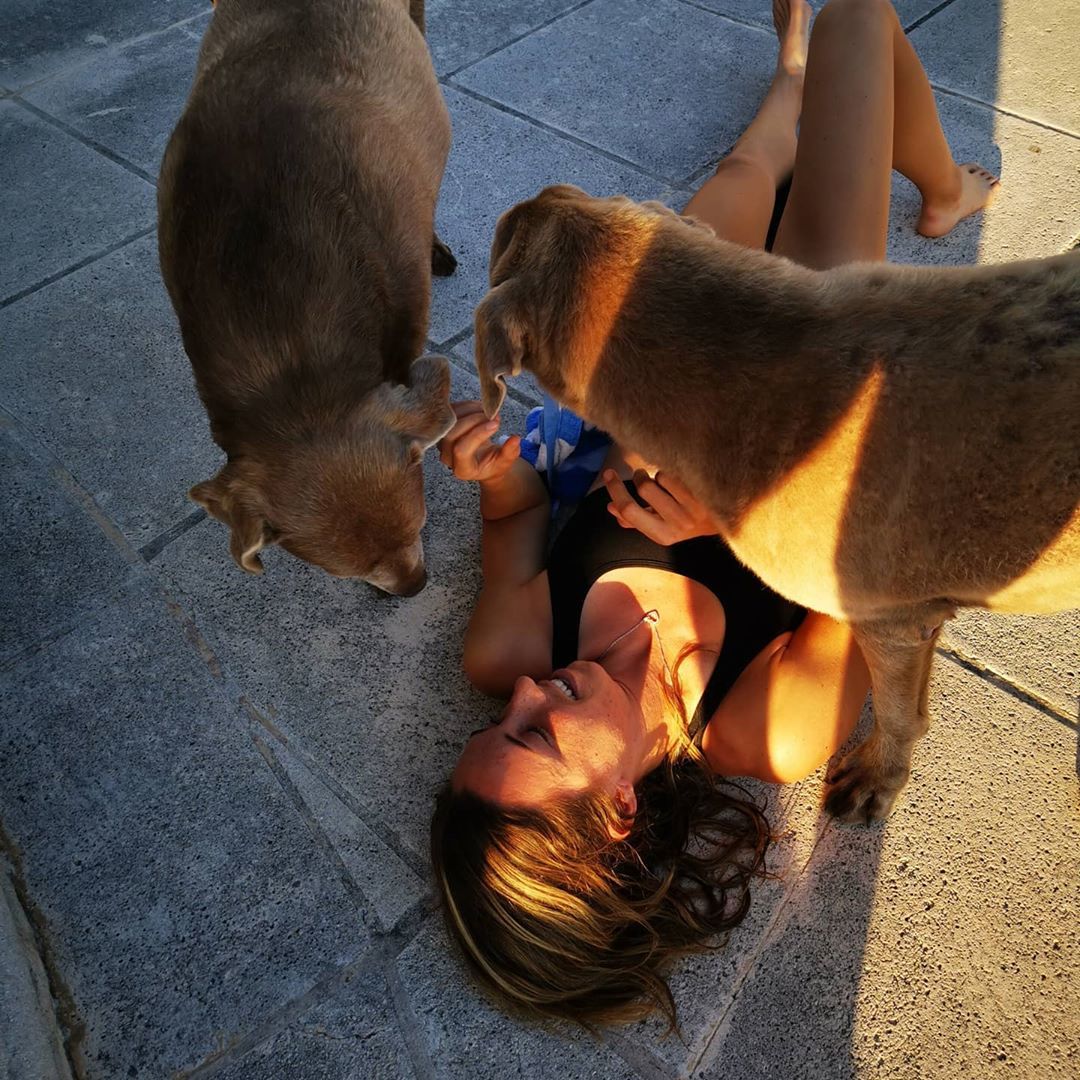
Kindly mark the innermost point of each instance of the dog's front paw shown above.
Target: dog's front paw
(443, 263)
(862, 789)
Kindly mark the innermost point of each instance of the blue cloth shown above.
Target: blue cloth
(567, 450)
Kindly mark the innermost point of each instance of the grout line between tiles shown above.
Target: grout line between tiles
(7, 301)
(453, 340)
(383, 832)
(949, 92)
(356, 893)
(531, 120)
(114, 46)
(928, 16)
(153, 548)
(381, 952)
(1022, 694)
(747, 24)
(640, 1058)
(514, 40)
(408, 1024)
(90, 144)
(714, 1039)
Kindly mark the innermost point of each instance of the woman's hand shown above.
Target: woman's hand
(672, 513)
(467, 450)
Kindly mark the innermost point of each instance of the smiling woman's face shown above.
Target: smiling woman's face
(579, 730)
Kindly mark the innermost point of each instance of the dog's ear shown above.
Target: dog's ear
(499, 345)
(228, 498)
(421, 411)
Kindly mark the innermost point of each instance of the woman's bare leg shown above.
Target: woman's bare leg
(737, 201)
(867, 109)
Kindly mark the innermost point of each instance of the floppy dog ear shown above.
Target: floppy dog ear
(499, 347)
(422, 410)
(232, 501)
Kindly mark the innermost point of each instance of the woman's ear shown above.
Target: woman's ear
(626, 804)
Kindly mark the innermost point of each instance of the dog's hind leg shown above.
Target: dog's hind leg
(443, 263)
(900, 654)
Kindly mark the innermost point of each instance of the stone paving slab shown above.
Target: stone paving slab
(1038, 653)
(353, 1036)
(41, 37)
(496, 161)
(662, 84)
(183, 894)
(57, 561)
(94, 368)
(129, 98)
(944, 943)
(467, 1037)
(1018, 54)
(460, 32)
(77, 205)
(760, 11)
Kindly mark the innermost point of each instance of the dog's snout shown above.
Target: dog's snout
(415, 585)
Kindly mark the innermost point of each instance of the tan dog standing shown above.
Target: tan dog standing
(296, 232)
(881, 443)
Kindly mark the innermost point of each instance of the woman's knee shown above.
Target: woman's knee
(838, 15)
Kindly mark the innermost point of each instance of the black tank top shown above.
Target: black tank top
(593, 542)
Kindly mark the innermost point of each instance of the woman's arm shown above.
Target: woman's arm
(793, 707)
(509, 632)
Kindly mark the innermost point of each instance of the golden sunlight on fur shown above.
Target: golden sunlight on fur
(814, 495)
(1041, 588)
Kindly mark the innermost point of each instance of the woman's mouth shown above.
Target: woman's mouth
(564, 686)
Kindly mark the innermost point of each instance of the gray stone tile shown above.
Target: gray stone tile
(352, 1036)
(468, 1038)
(937, 945)
(184, 897)
(760, 11)
(390, 887)
(60, 202)
(95, 370)
(40, 37)
(58, 565)
(1040, 654)
(461, 31)
(496, 161)
(1033, 214)
(371, 685)
(129, 98)
(1017, 54)
(659, 83)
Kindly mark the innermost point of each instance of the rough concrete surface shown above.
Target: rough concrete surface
(217, 786)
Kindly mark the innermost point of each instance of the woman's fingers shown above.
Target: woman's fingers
(466, 408)
(631, 514)
(660, 499)
(465, 428)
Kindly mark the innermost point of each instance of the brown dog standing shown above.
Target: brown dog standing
(296, 233)
(881, 443)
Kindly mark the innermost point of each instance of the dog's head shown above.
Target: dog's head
(349, 499)
(551, 255)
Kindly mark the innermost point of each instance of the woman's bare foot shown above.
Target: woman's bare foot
(792, 21)
(974, 189)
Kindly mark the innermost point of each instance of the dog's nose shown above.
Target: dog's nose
(413, 585)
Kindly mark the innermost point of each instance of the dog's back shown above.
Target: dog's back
(296, 220)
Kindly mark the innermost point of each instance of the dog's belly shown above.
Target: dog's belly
(790, 536)
(1051, 583)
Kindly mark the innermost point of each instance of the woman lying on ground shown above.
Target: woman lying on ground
(585, 838)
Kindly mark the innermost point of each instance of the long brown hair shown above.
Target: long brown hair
(558, 920)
